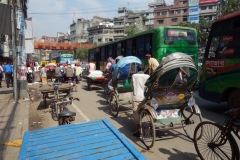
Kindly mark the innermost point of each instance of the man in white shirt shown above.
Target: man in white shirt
(138, 85)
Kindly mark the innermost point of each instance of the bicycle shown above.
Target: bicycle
(215, 141)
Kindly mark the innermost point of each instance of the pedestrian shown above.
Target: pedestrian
(152, 64)
(43, 73)
(1, 76)
(138, 85)
(8, 69)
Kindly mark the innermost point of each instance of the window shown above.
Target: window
(118, 49)
(140, 47)
(158, 13)
(184, 19)
(160, 21)
(210, 7)
(203, 8)
(164, 13)
(105, 31)
(174, 20)
(110, 51)
(99, 32)
(103, 54)
(171, 12)
(129, 48)
(148, 44)
(177, 12)
(100, 39)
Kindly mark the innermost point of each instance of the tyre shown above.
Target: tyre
(105, 87)
(148, 133)
(234, 99)
(191, 120)
(114, 106)
(55, 112)
(210, 143)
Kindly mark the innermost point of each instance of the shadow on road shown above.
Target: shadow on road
(176, 154)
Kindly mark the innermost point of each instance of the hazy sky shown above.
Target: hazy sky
(52, 16)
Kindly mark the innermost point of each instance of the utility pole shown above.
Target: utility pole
(13, 11)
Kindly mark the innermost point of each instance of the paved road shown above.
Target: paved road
(170, 145)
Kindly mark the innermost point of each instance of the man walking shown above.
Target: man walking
(8, 69)
(138, 84)
(152, 64)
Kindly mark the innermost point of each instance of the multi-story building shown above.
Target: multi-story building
(172, 14)
(49, 39)
(209, 9)
(78, 29)
(101, 33)
(119, 23)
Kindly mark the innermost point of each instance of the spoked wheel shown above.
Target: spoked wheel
(147, 129)
(114, 106)
(210, 143)
(55, 112)
(191, 120)
(105, 87)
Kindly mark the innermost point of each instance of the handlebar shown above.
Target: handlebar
(233, 112)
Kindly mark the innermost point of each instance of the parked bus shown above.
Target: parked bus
(63, 58)
(220, 74)
(159, 42)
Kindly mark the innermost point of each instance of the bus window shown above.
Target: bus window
(129, 48)
(179, 34)
(110, 51)
(148, 45)
(140, 47)
(118, 49)
(103, 58)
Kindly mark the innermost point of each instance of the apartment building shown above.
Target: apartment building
(101, 33)
(209, 9)
(172, 14)
(119, 23)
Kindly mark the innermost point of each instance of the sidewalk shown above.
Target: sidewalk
(13, 122)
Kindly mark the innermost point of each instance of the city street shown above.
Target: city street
(169, 145)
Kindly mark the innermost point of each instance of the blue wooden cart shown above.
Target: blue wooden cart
(97, 139)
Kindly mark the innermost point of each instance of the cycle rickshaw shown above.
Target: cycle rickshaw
(121, 80)
(169, 101)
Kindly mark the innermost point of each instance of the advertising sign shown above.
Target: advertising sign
(193, 11)
(207, 1)
(194, 19)
(193, 3)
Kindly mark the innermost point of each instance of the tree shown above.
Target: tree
(229, 6)
(81, 53)
(131, 30)
(201, 28)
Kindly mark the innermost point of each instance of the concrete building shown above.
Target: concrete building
(119, 23)
(209, 9)
(78, 29)
(101, 33)
(171, 15)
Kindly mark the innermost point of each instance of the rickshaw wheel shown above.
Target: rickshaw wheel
(55, 112)
(114, 106)
(105, 87)
(191, 120)
(147, 129)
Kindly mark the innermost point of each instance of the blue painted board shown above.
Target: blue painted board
(97, 139)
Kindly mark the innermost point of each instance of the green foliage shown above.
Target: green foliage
(131, 30)
(81, 53)
(230, 6)
(68, 52)
(35, 59)
(201, 29)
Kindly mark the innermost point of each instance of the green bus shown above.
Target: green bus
(220, 74)
(159, 42)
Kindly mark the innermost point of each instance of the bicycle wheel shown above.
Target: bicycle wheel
(105, 87)
(55, 112)
(147, 129)
(191, 120)
(114, 106)
(210, 143)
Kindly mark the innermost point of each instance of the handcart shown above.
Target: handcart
(121, 80)
(97, 139)
(49, 92)
(169, 100)
(95, 78)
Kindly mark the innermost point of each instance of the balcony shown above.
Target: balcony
(118, 26)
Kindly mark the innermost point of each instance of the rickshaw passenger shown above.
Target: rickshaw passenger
(138, 84)
(110, 62)
(91, 66)
(110, 85)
